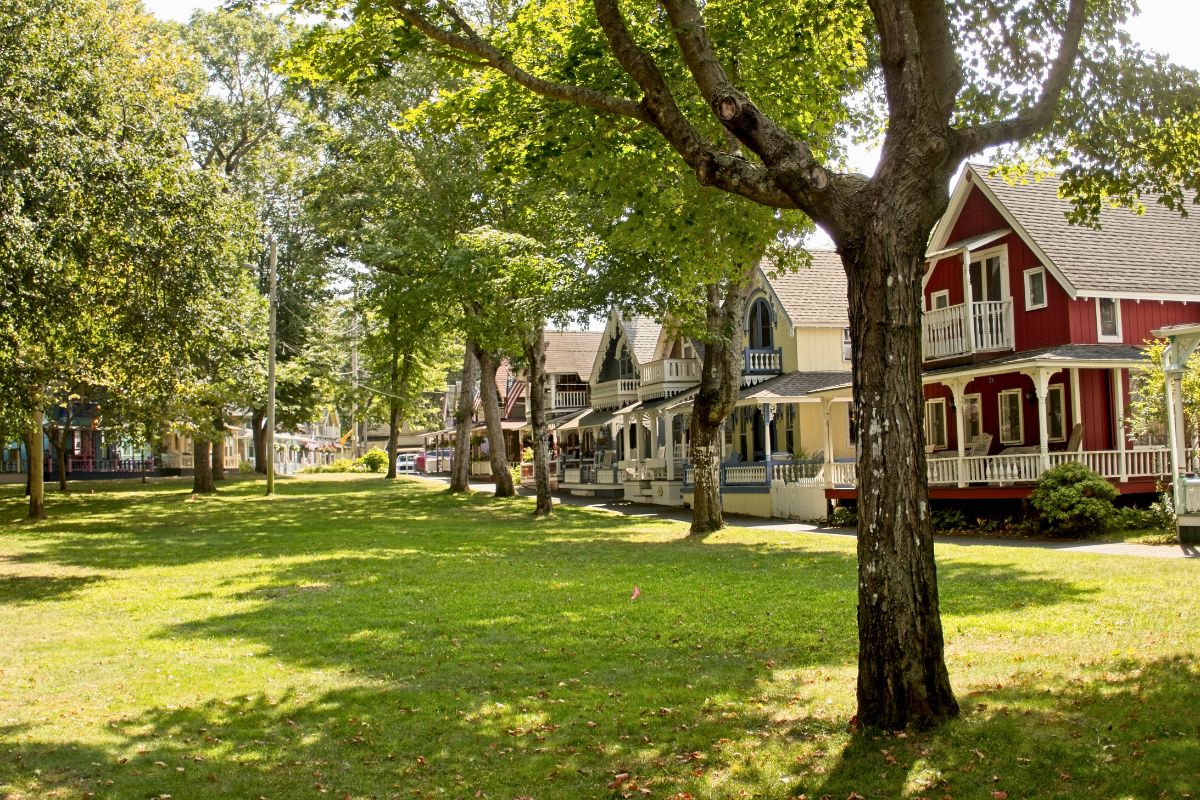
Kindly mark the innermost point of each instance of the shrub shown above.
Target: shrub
(339, 465)
(374, 460)
(1073, 501)
(949, 519)
(245, 467)
(843, 517)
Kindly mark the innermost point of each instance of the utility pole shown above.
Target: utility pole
(271, 380)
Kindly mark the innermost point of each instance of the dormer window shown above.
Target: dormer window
(1108, 319)
(761, 334)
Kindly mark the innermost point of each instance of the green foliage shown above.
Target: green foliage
(949, 519)
(374, 460)
(1073, 501)
(245, 468)
(1147, 415)
(340, 465)
(843, 517)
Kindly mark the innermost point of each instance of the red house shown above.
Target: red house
(1033, 328)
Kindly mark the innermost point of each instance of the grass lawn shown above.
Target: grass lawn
(351, 638)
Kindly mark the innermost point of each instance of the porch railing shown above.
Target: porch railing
(670, 369)
(763, 361)
(614, 393)
(945, 329)
(571, 398)
(1028, 467)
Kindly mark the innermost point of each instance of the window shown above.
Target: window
(1035, 289)
(935, 423)
(972, 415)
(1056, 414)
(625, 368)
(987, 279)
(940, 299)
(847, 346)
(759, 330)
(1108, 319)
(1012, 422)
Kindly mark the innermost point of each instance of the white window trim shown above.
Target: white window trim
(978, 399)
(933, 298)
(1020, 416)
(1062, 395)
(847, 345)
(984, 255)
(1100, 337)
(1029, 305)
(945, 439)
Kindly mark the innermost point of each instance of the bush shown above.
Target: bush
(374, 460)
(340, 465)
(245, 467)
(843, 517)
(949, 519)
(1073, 501)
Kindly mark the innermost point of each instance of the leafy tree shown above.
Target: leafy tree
(1147, 414)
(108, 235)
(948, 80)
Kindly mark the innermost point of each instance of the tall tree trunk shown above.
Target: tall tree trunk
(202, 477)
(57, 436)
(399, 390)
(535, 355)
(218, 449)
(720, 379)
(35, 466)
(460, 466)
(902, 676)
(258, 433)
(489, 398)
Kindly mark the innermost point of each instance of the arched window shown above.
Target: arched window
(760, 331)
(626, 363)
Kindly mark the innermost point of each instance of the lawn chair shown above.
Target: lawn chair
(979, 445)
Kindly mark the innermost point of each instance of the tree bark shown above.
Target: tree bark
(218, 449)
(460, 466)
(720, 379)
(399, 390)
(489, 398)
(202, 477)
(34, 465)
(902, 676)
(258, 433)
(57, 436)
(535, 355)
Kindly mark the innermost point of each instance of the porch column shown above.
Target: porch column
(768, 445)
(669, 430)
(1076, 400)
(553, 404)
(826, 405)
(1041, 385)
(1119, 413)
(958, 390)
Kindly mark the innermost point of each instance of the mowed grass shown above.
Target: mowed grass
(364, 639)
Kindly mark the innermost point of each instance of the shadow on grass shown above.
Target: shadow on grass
(25, 589)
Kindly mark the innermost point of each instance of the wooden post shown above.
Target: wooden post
(958, 390)
(1119, 413)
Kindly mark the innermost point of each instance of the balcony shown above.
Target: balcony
(615, 394)
(763, 361)
(668, 377)
(567, 399)
(946, 333)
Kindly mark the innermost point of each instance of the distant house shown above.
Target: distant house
(1032, 334)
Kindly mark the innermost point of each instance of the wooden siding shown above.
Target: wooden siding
(1138, 318)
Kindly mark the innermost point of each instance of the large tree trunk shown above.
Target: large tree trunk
(258, 433)
(34, 465)
(535, 355)
(218, 449)
(460, 466)
(720, 378)
(902, 676)
(202, 477)
(489, 398)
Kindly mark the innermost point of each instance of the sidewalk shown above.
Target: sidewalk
(631, 509)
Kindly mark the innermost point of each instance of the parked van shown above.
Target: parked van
(406, 463)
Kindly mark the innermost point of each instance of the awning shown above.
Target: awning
(589, 419)
(974, 243)
(661, 403)
(505, 424)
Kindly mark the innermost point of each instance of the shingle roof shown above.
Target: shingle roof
(813, 296)
(642, 335)
(571, 351)
(1157, 252)
(795, 384)
(1109, 354)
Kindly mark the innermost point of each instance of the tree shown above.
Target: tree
(1147, 415)
(106, 229)
(953, 79)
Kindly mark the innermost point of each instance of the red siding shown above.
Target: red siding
(1095, 405)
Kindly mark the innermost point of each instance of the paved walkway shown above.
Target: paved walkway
(631, 509)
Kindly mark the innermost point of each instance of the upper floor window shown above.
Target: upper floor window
(847, 345)
(760, 331)
(625, 363)
(1108, 319)
(987, 279)
(1035, 289)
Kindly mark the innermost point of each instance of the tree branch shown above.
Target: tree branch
(1041, 113)
(472, 44)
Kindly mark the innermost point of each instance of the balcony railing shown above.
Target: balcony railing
(763, 361)
(945, 331)
(614, 394)
(570, 398)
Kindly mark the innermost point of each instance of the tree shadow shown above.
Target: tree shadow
(27, 589)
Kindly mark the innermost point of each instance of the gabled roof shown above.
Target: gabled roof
(813, 296)
(570, 352)
(1154, 255)
(640, 333)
